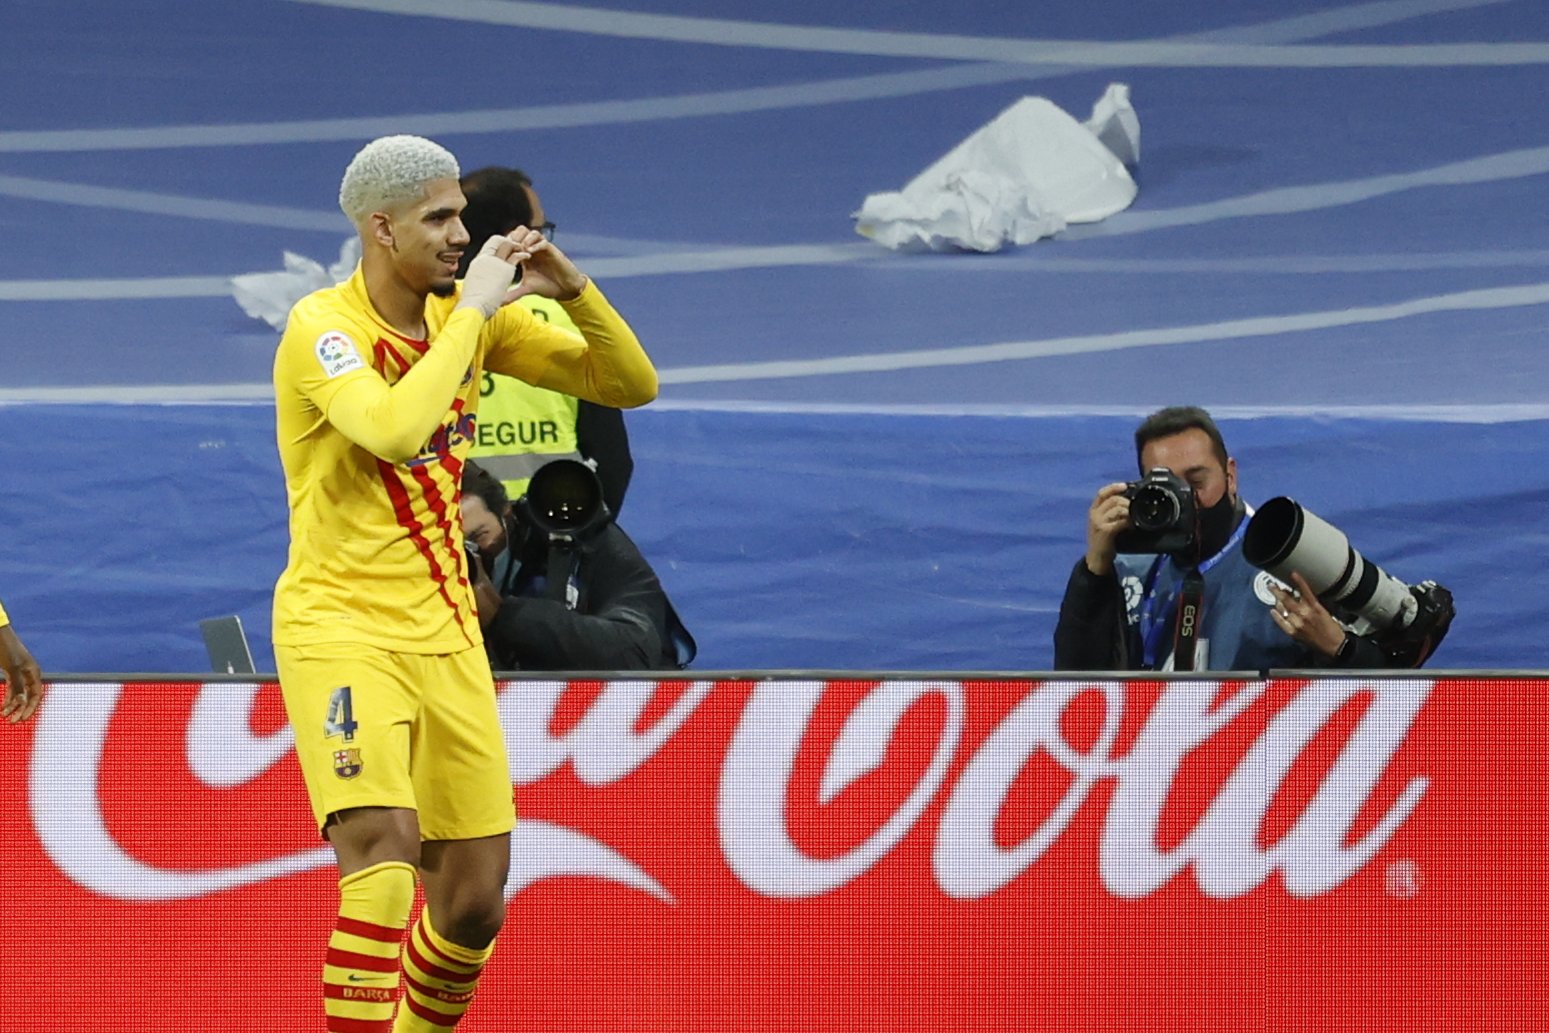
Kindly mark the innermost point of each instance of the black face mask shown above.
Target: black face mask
(1216, 524)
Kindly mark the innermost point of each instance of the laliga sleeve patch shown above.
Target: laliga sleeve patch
(337, 354)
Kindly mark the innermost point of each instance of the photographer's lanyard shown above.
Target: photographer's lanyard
(1152, 625)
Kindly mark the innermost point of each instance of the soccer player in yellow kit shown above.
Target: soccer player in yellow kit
(377, 642)
(23, 678)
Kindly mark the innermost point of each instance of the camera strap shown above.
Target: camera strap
(1191, 614)
(1153, 607)
(561, 572)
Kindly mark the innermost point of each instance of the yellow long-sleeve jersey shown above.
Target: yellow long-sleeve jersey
(373, 429)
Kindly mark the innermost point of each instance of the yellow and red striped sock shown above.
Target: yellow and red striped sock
(438, 979)
(360, 975)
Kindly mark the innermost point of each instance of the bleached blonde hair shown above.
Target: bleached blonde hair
(390, 170)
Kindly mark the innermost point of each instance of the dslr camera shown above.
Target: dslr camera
(1162, 514)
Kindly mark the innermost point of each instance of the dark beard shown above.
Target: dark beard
(443, 290)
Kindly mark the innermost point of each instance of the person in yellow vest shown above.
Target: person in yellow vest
(23, 678)
(521, 427)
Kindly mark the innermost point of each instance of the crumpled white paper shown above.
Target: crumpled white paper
(1026, 175)
(271, 296)
(1116, 125)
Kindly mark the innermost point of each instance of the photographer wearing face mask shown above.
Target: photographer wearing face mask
(577, 597)
(1164, 584)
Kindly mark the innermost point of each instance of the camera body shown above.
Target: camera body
(1162, 514)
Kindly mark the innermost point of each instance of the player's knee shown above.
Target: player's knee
(472, 919)
(365, 836)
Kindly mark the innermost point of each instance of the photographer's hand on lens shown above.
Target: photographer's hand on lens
(1108, 516)
(1300, 615)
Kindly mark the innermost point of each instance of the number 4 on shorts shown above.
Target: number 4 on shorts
(341, 715)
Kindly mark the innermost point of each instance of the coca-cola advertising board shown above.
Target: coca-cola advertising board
(794, 853)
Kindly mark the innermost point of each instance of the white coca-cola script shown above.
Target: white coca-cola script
(608, 744)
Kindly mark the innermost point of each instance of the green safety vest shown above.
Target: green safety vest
(521, 427)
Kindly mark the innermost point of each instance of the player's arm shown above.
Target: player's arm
(604, 363)
(393, 421)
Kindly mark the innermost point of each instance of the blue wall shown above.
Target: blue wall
(787, 540)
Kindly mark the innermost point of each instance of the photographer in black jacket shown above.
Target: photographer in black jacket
(1130, 608)
(606, 611)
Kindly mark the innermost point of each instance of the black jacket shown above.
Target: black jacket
(622, 620)
(1095, 633)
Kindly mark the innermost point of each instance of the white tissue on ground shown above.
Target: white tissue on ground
(1116, 125)
(271, 296)
(1026, 175)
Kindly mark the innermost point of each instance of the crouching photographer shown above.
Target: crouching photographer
(1180, 575)
(559, 585)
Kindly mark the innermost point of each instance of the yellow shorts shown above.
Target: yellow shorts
(381, 729)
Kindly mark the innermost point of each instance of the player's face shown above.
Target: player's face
(429, 238)
(1191, 455)
(484, 529)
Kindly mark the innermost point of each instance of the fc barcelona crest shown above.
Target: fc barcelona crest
(346, 763)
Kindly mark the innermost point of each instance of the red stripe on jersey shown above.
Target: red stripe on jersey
(445, 513)
(369, 930)
(384, 348)
(379, 356)
(338, 957)
(435, 1018)
(443, 516)
(454, 469)
(431, 966)
(404, 511)
(419, 344)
